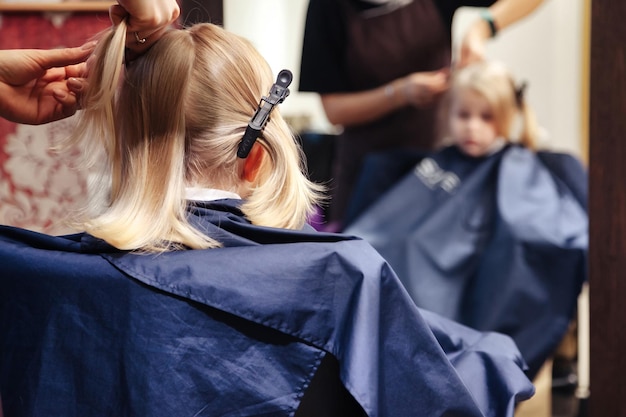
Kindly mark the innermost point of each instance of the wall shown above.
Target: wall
(544, 49)
(276, 28)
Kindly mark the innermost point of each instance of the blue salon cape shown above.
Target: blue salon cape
(497, 243)
(86, 330)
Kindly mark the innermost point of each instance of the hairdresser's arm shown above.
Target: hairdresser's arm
(33, 83)
(146, 19)
(505, 13)
(418, 89)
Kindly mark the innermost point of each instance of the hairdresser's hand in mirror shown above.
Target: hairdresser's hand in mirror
(422, 88)
(498, 17)
(34, 83)
(473, 45)
(147, 20)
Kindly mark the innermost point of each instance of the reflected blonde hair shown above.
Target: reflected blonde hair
(174, 118)
(493, 81)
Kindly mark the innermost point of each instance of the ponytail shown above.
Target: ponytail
(529, 133)
(143, 130)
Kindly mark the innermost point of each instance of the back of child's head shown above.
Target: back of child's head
(494, 82)
(173, 119)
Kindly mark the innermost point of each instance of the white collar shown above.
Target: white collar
(208, 194)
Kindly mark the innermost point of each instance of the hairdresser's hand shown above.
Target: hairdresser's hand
(147, 20)
(34, 83)
(503, 13)
(473, 44)
(422, 88)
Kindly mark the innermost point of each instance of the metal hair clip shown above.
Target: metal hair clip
(278, 93)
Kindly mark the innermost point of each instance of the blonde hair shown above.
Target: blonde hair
(493, 81)
(174, 119)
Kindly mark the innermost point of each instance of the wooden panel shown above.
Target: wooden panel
(607, 129)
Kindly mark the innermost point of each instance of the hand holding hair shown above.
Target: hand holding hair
(34, 83)
(147, 20)
(499, 16)
(473, 45)
(420, 89)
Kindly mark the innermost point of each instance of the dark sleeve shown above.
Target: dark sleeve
(322, 66)
(447, 8)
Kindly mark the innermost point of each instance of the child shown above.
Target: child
(196, 290)
(486, 231)
(482, 107)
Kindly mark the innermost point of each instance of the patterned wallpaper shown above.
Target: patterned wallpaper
(39, 188)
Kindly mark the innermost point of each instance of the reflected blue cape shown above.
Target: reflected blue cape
(86, 330)
(497, 243)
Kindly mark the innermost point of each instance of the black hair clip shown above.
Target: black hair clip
(278, 93)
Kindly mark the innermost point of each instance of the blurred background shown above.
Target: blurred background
(38, 188)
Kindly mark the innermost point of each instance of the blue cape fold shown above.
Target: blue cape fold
(236, 331)
(497, 243)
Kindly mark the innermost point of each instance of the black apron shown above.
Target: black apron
(381, 48)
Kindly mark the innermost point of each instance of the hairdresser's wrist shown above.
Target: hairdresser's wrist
(487, 17)
(136, 46)
(414, 91)
(396, 93)
(139, 42)
(480, 30)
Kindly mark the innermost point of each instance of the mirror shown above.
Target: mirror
(548, 50)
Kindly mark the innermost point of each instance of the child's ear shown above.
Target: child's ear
(253, 162)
